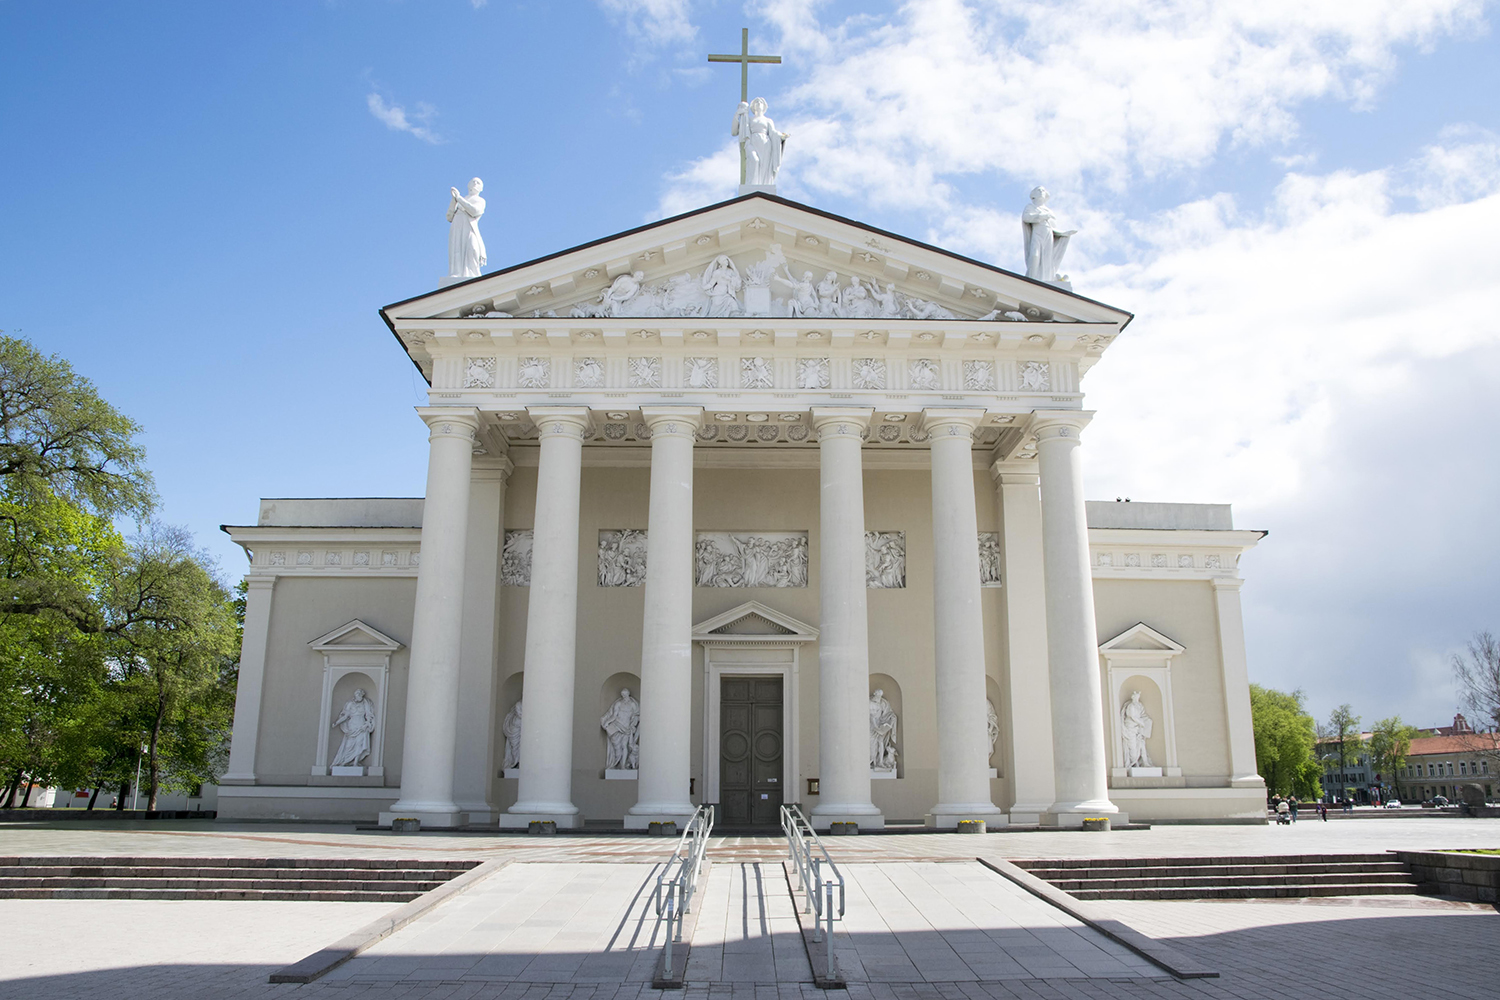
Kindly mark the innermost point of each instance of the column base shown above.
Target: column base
(666, 814)
(946, 816)
(1243, 781)
(431, 819)
(1070, 815)
(823, 822)
(479, 815)
(521, 821)
(1028, 813)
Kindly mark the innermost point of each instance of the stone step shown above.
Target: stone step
(1166, 881)
(1219, 871)
(190, 872)
(237, 884)
(1252, 891)
(102, 861)
(326, 896)
(1030, 864)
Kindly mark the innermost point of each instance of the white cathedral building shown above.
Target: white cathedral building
(749, 506)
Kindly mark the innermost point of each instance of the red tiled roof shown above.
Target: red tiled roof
(1468, 743)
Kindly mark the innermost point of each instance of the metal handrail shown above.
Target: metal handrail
(678, 879)
(810, 858)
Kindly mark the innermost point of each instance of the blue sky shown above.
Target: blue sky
(204, 204)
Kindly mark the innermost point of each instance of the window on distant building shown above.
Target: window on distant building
(1429, 770)
(1484, 767)
(1463, 768)
(1450, 769)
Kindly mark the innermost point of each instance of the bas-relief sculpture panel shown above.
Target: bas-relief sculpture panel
(885, 560)
(989, 559)
(515, 558)
(622, 557)
(751, 559)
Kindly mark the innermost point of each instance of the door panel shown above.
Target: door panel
(750, 751)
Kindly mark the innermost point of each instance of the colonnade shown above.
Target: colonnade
(545, 788)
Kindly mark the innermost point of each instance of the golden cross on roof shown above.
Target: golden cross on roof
(744, 58)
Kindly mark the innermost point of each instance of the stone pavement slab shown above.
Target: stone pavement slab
(747, 931)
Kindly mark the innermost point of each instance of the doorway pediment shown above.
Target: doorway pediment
(753, 622)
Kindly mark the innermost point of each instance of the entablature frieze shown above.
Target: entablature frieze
(1168, 553)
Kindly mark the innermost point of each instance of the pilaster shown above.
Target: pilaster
(252, 677)
(1241, 733)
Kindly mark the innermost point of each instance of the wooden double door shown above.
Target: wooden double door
(750, 752)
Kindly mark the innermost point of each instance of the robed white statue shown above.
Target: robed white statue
(465, 245)
(356, 722)
(1043, 244)
(622, 729)
(761, 143)
(511, 729)
(882, 733)
(1135, 729)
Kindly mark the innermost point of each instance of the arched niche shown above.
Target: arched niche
(355, 655)
(609, 691)
(891, 690)
(511, 690)
(992, 693)
(1140, 659)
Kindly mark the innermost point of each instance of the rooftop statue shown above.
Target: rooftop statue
(465, 245)
(760, 141)
(1044, 245)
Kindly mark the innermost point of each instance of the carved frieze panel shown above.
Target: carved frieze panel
(755, 373)
(479, 373)
(979, 376)
(515, 558)
(1036, 376)
(924, 374)
(812, 373)
(588, 373)
(622, 557)
(885, 560)
(534, 373)
(869, 373)
(701, 373)
(751, 559)
(989, 559)
(645, 373)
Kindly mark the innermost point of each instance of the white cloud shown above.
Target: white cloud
(397, 119)
(654, 22)
(705, 181)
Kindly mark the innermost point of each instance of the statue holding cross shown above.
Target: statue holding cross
(760, 143)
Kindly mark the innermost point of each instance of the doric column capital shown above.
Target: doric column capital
(672, 420)
(1050, 425)
(561, 421)
(1227, 583)
(257, 582)
(491, 469)
(450, 421)
(841, 421)
(946, 422)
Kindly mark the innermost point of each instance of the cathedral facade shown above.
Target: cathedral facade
(751, 506)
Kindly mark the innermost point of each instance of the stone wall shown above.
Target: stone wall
(1465, 876)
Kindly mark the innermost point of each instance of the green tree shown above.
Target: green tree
(1341, 738)
(173, 667)
(1390, 743)
(1285, 736)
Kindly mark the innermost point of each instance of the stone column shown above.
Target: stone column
(1072, 638)
(1023, 589)
(667, 628)
(958, 620)
(844, 628)
(1242, 765)
(546, 784)
(432, 688)
(252, 678)
(475, 768)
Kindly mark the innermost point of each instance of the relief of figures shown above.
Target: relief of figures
(885, 560)
(515, 559)
(745, 559)
(989, 559)
(622, 558)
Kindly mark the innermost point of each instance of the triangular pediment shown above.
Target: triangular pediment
(661, 271)
(754, 622)
(356, 635)
(1142, 638)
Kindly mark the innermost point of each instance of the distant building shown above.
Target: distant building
(1437, 765)
(1355, 778)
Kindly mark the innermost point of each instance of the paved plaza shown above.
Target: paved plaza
(571, 917)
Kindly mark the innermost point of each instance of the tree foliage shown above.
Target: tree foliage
(1390, 744)
(1341, 740)
(1285, 737)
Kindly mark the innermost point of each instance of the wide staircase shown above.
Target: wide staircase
(360, 880)
(1286, 876)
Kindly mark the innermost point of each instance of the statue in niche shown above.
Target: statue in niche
(511, 730)
(991, 726)
(761, 143)
(356, 722)
(721, 282)
(1043, 244)
(804, 297)
(882, 733)
(621, 725)
(465, 245)
(1135, 729)
(828, 294)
